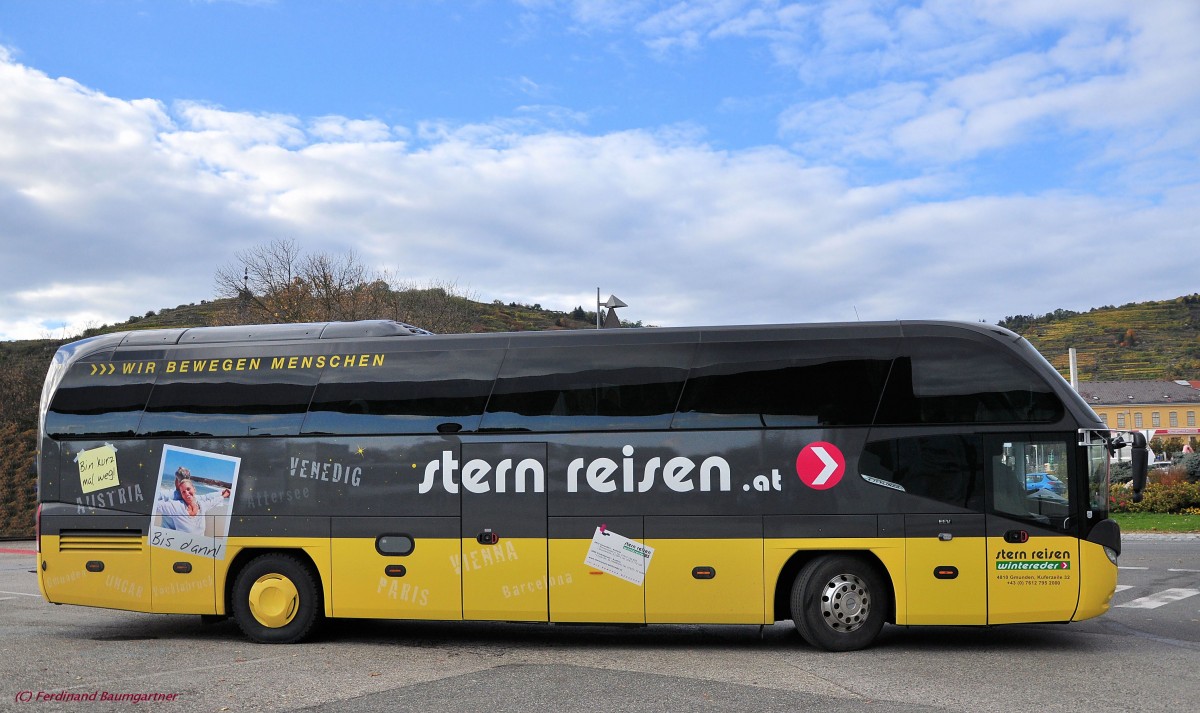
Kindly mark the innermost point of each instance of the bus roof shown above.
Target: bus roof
(384, 329)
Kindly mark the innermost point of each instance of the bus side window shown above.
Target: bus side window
(943, 380)
(415, 391)
(202, 392)
(91, 403)
(943, 468)
(1030, 481)
(784, 384)
(611, 388)
(1008, 493)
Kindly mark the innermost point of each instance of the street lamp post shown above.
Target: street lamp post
(612, 304)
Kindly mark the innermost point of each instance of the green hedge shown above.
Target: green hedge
(1172, 497)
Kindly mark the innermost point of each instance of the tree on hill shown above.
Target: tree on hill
(1019, 322)
(1145, 340)
(440, 307)
(278, 283)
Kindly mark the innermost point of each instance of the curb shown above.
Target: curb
(1160, 536)
(18, 547)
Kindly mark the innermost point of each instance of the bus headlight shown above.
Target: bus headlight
(1112, 554)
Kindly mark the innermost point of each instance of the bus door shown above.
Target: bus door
(1032, 555)
(503, 491)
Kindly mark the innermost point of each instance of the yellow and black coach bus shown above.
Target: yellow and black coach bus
(839, 475)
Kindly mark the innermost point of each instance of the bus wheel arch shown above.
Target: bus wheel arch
(791, 568)
(275, 596)
(838, 601)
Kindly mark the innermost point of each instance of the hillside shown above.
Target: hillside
(471, 316)
(23, 368)
(1150, 340)
(1146, 340)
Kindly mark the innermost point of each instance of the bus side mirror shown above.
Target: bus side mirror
(1139, 462)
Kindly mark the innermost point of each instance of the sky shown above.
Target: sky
(707, 162)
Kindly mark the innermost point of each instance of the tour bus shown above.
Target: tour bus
(842, 476)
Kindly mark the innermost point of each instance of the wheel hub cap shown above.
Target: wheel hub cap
(845, 603)
(274, 600)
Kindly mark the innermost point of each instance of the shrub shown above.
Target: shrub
(1190, 464)
(1171, 476)
(1158, 497)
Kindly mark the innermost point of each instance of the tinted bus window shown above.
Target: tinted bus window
(947, 468)
(98, 398)
(1031, 479)
(414, 392)
(783, 384)
(959, 381)
(594, 388)
(218, 392)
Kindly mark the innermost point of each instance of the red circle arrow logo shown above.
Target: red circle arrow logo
(820, 465)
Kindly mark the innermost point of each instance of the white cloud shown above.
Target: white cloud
(977, 77)
(339, 128)
(110, 208)
(856, 125)
(1088, 69)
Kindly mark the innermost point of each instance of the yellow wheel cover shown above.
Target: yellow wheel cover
(274, 600)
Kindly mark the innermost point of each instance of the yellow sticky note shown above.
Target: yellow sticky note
(98, 468)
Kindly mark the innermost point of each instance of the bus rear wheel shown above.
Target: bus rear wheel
(276, 600)
(839, 603)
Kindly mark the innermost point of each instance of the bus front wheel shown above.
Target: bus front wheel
(839, 603)
(276, 600)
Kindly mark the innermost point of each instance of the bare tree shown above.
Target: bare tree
(342, 288)
(266, 282)
(276, 283)
(438, 306)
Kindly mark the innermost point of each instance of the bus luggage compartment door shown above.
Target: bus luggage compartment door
(947, 583)
(579, 592)
(183, 581)
(106, 566)
(705, 570)
(503, 490)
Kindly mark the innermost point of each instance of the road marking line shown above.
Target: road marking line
(1123, 587)
(1162, 598)
(1133, 568)
(23, 594)
(1183, 570)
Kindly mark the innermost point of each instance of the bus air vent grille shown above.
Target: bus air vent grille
(68, 542)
